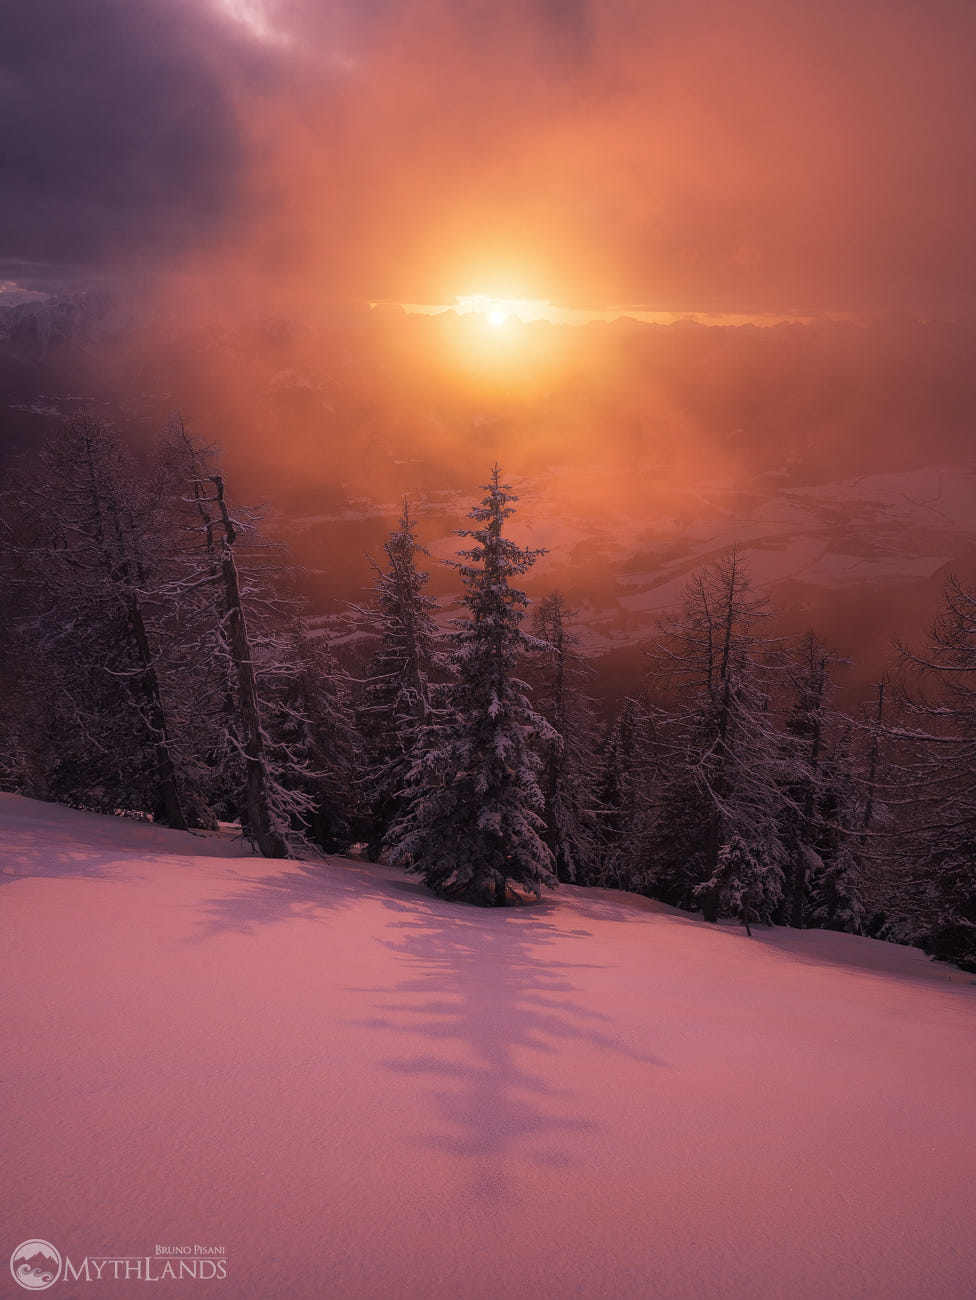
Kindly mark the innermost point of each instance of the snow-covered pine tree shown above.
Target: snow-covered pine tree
(400, 689)
(622, 784)
(836, 862)
(813, 829)
(312, 736)
(933, 886)
(836, 898)
(742, 883)
(720, 736)
(473, 825)
(558, 671)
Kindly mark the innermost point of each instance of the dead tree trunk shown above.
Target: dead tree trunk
(117, 539)
(167, 785)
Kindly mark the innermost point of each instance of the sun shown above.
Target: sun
(496, 311)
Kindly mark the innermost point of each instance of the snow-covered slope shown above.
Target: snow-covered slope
(359, 1091)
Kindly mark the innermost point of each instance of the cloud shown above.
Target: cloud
(810, 156)
(120, 138)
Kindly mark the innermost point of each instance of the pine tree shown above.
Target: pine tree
(837, 860)
(935, 889)
(400, 691)
(836, 897)
(819, 827)
(622, 785)
(313, 739)
(473, 827)
(569, 761)
(744, 883)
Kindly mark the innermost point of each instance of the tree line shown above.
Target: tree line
(155, 660)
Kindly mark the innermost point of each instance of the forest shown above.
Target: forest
(156, 661)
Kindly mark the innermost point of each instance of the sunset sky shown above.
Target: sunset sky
(755, 157)
(245, 177)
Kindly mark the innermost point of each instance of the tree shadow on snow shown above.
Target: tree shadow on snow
(23, 858)
(493, 999)
(503, 1036)
(297, 890)
(40, 840)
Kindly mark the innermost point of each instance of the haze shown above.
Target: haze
(243, 179)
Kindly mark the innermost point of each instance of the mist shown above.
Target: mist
(231, 184)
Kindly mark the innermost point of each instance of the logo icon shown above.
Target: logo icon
(35, 1265)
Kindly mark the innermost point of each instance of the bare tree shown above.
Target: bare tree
(226, 662)
(727, 767)
(91, 534)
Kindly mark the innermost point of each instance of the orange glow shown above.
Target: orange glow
(499, 309)
(388, 244)
(503, 225)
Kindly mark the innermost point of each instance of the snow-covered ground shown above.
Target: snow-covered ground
(359, 1091)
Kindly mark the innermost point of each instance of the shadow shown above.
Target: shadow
(492, 998)
(299, 890)
(494, 1005)
(41, 840)
(856, 954)
(606, 904)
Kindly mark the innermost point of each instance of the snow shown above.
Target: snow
(360, 1091)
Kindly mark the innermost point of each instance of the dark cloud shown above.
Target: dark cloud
(119, 135)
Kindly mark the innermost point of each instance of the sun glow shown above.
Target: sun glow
(498, 310)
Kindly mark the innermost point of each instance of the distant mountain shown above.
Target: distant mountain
(71, 318)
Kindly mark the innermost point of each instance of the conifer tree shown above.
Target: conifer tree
(399, 693)
(819, 822)
(934, 889)
(836, 895)
(743, 883)
(623, 782)
(837, 859)
(569, 762)
(312, 735)
(473, 827)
